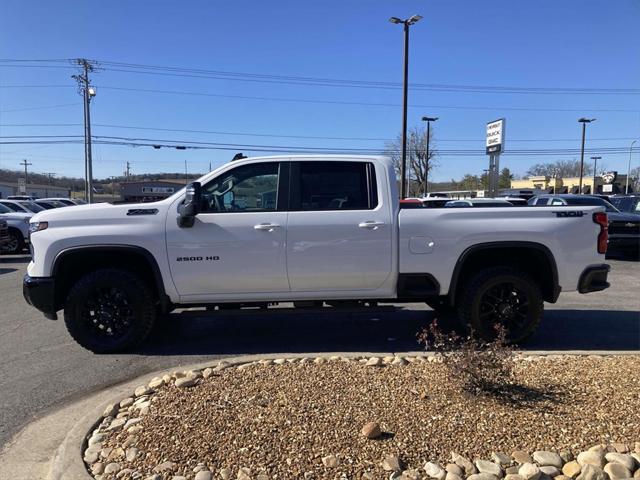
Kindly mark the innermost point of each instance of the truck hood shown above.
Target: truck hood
(15, 216)
(623, 217)
(97, 212)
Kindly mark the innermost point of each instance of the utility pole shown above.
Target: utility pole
(584, 122)
(626, 186)
(595, 166)
(26, 172)
(405, 94)
(87, 91)
(50, 175)
(127, 170)
(426, 167)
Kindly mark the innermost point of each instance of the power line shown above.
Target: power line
(310, 137)
(324, 81)
(365, 104)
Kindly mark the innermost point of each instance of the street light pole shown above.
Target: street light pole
(426, 167)
(405, 96)
(626, 187)
(584, 122)
(595, 166)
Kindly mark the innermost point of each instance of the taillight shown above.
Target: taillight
(603, 237)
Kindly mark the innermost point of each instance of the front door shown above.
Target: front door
(237, 242)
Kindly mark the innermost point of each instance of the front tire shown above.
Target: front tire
(109, 310)
(15, 244)
(504, 296)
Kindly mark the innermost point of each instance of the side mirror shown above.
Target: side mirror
(191, 205)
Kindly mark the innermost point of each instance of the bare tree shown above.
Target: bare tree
(418, 165)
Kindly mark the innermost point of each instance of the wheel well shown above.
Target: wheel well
(15, 229)
(536, 260)
(71, 265)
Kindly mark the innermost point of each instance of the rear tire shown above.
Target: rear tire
(15, 244)
(501, 295)
(109, 311)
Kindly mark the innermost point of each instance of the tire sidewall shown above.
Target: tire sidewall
(138, 296)
(485, 281)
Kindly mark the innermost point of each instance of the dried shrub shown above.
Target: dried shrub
(477, 366)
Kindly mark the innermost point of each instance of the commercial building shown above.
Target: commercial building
(608, 183)
(33, 190)
(150, 190)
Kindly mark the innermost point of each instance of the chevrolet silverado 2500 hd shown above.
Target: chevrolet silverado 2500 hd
(305, 229)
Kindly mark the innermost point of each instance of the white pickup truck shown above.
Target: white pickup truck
(309, 230)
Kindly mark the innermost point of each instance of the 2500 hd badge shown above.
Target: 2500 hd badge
(198, 259)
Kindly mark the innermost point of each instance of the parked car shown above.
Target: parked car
(334, 232)
(65, 201)
(515, 201)
(626, 203)
(20, 197)
(429, 202)
(18, 225)
(49, 204)
(477, 202)
(22, 206)
(624, 228)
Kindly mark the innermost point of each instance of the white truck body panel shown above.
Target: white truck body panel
(312, 255)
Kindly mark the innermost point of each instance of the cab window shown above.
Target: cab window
(248, 188)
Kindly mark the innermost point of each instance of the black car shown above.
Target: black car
(624, 228)
(626, 203)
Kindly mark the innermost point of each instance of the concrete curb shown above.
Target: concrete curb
(43, 451)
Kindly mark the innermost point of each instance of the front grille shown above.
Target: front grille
(624, 228)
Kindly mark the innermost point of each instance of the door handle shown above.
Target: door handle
(266, 226)
(371, 225)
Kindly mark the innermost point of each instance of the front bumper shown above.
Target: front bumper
(623, 243)
(594, 279)
(39, 292)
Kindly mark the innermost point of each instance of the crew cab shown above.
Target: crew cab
(305, 229)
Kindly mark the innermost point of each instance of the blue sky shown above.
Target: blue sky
(544, 44)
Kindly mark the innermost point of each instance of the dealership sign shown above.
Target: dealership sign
(495, 136)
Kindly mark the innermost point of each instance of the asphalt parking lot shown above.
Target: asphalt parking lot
(43, 368)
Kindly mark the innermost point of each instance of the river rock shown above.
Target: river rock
(550, 471)
(482, 476)
(595, 458)
(529, 471)
(391, 463)
(330, 461)
(543, 458)
(433, 470)
(185, 382)
(371, 430)
(520, 456)
(621, 458)
(501, 458)
(616, 471)
(203, 475)
(485, 466)
(464, 463)
(571, 469)
(375, 362)
(455, 469)
(591, 472)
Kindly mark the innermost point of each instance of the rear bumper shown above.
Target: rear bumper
(594, 279)
(39, 292)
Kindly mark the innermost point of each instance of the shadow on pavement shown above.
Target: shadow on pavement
(7, 270)
(231, 333)
(15, 258)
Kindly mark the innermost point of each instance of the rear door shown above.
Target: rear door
(339, 233)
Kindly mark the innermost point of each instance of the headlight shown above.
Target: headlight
(37, 226)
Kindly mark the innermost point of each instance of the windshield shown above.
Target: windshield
(627, 204)
(14, 207)
(34, 207)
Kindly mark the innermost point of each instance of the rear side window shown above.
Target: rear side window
(334, 186)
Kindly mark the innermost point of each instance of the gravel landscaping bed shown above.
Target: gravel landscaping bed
(375, 418)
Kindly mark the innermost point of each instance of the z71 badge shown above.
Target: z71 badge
(570, 214)
(212, 258)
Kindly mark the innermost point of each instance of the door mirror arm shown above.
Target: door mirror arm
(190, 207)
